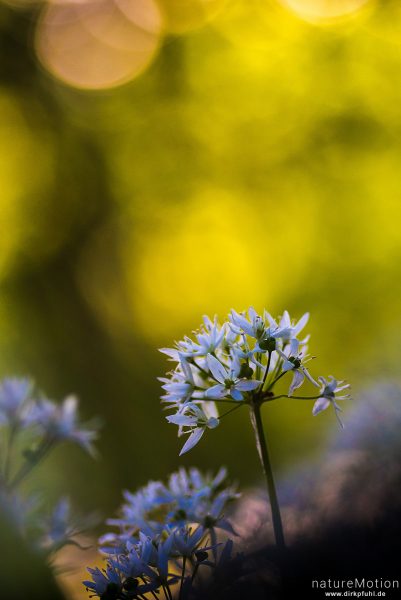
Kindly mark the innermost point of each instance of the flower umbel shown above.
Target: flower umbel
(60, 423)
(242, 362)
(164, 527)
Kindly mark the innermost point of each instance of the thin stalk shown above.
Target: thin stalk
(170, 595)
(266, 371)
(9, 450)
(151, 591)
(184, 562)
(27, 467)
(219, 400)
(258, 358)
(257, 424)
(194, 572)
(167, 591)
(231, 410)
(294, 397)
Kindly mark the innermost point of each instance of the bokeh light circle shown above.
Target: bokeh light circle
(98, 44)
(325, 11)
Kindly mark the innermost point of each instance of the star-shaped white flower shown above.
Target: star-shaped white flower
(195, 421)
(228, 381)
(328, 396)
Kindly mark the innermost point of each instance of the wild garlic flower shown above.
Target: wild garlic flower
(105, 583)
(228, 380)
(160, 527)
(294, 361)
(62, 527)
(59, 422)
(329, 396)
(33, 427)
(188, 497)
(240, 361)
(194, 420)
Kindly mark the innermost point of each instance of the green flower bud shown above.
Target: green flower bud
(268, 344)
(130, 584)
(245, 371)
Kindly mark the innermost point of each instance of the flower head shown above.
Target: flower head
(161, 526)
(60, 422)
(188, 497)
(240, 361)
(294, 361)
(329, 391)
(194, 420)
(229, 381)
(106, 584)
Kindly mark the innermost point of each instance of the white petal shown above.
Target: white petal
(216, 391)
(252, 313)
(242, 323)
(288, 366)
(172, 352)
(181, 420)
(301, 323)
(283, 332)
(294, 347)
(320, 404)
(193, 439)
(208, 323)
(245, 385)
(309, 376)
(297, 381)
(186, 369)
(216, 368)
(210, 409)
(70, 406)
(272, 322)
(285, 320)
(236, 395)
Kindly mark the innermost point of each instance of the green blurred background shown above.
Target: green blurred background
(185, 158)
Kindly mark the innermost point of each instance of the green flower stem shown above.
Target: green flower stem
(151, 591)
(44, 448)
(184, 561)
(293, 397)
(232, 410)
(167, 590)
(8, 453)
(194, 572)
(266, 371)
(219, 400)
(257, 424)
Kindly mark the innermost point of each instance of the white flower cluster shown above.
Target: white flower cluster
(239, 361)
(36, 425)
(20, 410)
(162, 528)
